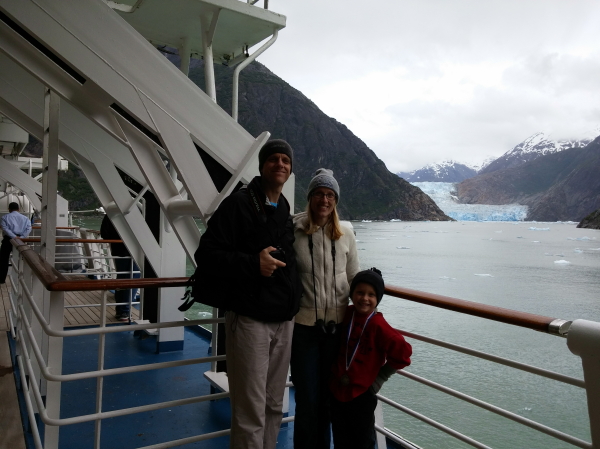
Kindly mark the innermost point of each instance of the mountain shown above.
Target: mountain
(447, 171)
(557, 186)
(368, 189)
(531, 148)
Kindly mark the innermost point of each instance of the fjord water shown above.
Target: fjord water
(506, 264)
(550, 269)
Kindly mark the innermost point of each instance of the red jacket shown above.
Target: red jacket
(379, 344)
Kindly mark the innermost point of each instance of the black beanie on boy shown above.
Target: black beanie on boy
(371, 276)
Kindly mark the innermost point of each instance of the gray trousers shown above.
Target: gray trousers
(258, 358)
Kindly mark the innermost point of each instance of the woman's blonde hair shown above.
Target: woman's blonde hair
(335, 229)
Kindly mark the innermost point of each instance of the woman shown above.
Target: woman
(327, 262)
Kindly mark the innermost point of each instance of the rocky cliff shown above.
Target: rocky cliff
(592, 221)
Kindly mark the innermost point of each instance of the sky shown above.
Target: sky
(424, 81)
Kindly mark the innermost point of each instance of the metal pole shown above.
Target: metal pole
(184, 54)
(100, 380)
(53, 302)
(584, 340)
(242, 66)
(208, 32)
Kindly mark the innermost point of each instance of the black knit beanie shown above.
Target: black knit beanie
(272, 147)
(371, 276)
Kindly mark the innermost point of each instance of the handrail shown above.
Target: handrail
(54, 281)
(71, 240)
(58, 227)
(524, 319)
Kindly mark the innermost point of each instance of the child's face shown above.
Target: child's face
(364, 298)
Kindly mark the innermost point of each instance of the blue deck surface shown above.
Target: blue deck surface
(135, 389)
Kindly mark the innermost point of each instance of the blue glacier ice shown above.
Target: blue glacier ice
(444, 195)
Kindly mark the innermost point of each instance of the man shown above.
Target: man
(14, 224)
(124, 266)
(246, 258)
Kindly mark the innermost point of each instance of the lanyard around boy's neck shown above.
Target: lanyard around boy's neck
(348, 363)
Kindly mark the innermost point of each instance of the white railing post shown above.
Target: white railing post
(26, 281)
(381, 443)
(54, 362)
(584, 340)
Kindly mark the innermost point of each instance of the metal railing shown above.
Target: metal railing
(583, 338)
(41, 364)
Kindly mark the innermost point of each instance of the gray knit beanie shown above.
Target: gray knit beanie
(324, 178)
(272, 147)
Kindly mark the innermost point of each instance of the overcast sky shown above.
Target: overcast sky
(423, 81)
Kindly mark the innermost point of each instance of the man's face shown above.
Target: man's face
(277, 169)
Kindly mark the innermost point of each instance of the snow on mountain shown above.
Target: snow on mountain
(444, 195)
(539, 144)
(446, 171)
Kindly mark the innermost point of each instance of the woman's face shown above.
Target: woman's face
(322, 202)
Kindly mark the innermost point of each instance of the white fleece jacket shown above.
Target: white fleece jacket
(332, 299)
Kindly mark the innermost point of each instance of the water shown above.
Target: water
(511, 265)
(506, 264)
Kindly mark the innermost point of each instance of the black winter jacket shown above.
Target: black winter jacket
(228, 258)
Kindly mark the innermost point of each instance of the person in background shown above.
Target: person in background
(246, 258)
(370, 352)
(327, 263)
(14, 224)
(124, 264)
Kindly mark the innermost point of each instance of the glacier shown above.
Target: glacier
(444, 195)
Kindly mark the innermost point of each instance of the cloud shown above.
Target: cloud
(422, 82)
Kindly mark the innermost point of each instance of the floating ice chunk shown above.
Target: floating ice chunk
(535, 241)
(562, 262)
(484, 275)
(533, 228)
(577, 250)
(447, 278)
(402, 247)
(395, 219)
(519, 237)
(559, 255)
(594, 249)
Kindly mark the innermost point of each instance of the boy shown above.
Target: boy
(370, 352)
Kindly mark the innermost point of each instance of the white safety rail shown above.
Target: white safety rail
(97, 254)
(38, 329)
(582, 339)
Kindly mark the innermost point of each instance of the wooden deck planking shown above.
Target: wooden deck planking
(80, 316)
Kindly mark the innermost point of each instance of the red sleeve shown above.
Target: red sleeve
(397, 349)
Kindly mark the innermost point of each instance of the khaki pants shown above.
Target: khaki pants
(258, 358)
